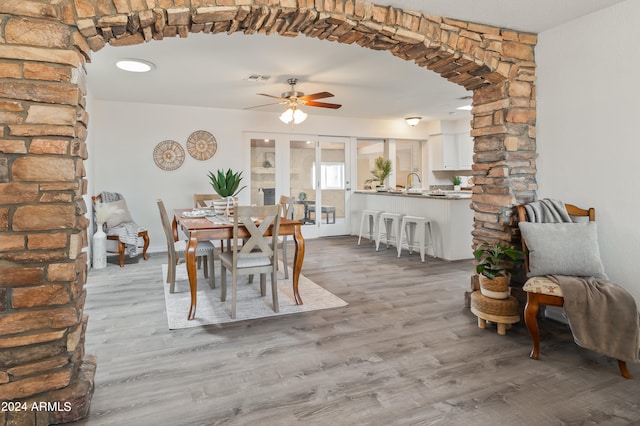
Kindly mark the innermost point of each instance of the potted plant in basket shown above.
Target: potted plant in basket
(381, 171)
(494, 265)
(227, 186)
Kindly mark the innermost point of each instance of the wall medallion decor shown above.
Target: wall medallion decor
(168, 155)
(202, 145)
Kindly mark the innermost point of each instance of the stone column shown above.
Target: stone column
(43, 229)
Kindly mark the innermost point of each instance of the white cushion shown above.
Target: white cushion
(245, 262)
(203, 247)
(563, 249)
(120, 215)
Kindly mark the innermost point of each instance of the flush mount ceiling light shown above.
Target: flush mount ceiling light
(135, 65)
(292, 113)
(412, 121)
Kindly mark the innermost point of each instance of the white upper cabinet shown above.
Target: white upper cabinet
(451, 151)
(464, 143)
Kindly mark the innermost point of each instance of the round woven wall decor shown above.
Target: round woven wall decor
(168, 155)
(201, 145)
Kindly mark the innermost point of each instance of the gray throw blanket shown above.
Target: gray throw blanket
(602, 315)
(547, 211)
(127, 232)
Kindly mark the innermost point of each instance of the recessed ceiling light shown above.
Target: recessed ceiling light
(135, 65)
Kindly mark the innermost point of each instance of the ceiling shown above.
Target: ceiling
(206, 70)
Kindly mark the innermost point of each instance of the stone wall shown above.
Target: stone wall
(43, 266)
(43, 122)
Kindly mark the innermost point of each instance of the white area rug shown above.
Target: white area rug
(250, 304)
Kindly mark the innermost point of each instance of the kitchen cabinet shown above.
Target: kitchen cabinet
(450, 151)
(464, 143)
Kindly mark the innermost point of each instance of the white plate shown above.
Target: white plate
(194, 213)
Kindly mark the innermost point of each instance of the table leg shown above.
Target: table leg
(298, 257)
(192, 272)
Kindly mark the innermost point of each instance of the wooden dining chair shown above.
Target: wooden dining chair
(287, 205)
(542, 291)
(177, 250)
(257, 254)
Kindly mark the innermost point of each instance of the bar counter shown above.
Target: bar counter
(451, 217)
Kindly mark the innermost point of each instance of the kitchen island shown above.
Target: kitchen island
(450, 214)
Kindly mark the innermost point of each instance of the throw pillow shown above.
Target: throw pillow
(119, 215)
(563, 249)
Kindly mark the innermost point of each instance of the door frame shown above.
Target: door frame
(283, 167)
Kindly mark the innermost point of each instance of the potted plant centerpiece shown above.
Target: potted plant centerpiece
(227, 186)
(381, 171)
(457, 181)
(494, 265)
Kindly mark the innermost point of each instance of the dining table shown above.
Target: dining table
(205, 228)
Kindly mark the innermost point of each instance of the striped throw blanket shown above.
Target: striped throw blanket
(127, 232)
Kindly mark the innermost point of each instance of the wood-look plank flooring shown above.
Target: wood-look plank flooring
(405, 351)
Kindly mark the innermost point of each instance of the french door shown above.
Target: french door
(313, 169)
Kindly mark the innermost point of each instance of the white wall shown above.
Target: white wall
(123, 136)
(587, 129)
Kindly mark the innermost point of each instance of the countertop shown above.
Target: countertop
(448, 195)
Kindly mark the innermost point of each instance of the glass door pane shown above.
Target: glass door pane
(263, 171)
(301, 181)
(331, 177)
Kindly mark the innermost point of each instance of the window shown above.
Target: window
(331, 176)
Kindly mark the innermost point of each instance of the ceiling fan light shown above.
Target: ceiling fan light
(413, 121)
(287, 116)
(299, 116)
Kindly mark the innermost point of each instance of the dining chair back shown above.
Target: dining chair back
(257, 254)
(200, 200)
(287, 205)
(177, 250)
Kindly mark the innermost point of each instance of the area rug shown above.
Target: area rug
(249, 305)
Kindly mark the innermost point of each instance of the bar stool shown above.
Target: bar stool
(389, 225)
(371, 217)
(412, 227)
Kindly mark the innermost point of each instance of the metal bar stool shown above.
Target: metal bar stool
(412, 227)
(371, 217)
(389, 226)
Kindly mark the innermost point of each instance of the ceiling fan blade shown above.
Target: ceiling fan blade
(319, 95)
(322, 105)
(258, 106)
(271, 96)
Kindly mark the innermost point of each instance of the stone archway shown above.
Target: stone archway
(43, 228)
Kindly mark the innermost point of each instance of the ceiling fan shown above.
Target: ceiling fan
(294, 99)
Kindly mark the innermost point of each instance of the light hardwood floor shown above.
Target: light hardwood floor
(405, 351)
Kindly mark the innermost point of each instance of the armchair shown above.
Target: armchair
(542, 287)
(121, 228)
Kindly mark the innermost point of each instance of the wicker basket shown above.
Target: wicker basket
(497, 307)
(496, 288)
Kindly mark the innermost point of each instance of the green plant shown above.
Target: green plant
(457, 180)
(381, 170)
(226, 184)
(495, 260)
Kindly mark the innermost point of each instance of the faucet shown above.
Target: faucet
(407, 187)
